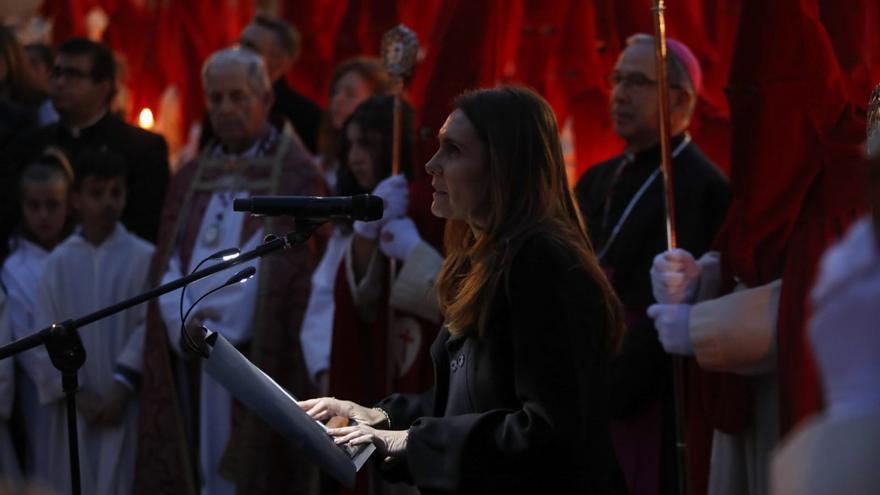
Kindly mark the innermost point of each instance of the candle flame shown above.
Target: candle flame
(145, 119)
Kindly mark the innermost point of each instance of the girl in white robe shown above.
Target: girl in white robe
(9, 465)
(43, 192)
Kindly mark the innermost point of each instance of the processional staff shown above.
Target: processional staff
(660, 58)
(400, 46)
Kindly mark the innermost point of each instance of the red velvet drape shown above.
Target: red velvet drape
(796, 182)
(563, 49)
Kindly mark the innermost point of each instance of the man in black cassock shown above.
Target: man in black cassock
(622, 200)
(83, 85)
(279, 45)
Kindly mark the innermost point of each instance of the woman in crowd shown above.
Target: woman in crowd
(19, 95)
(353, 81)
(350, 293)
(19, 101)
(530, 322)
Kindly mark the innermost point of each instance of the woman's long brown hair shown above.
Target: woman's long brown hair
(19, 85)
(527, 192)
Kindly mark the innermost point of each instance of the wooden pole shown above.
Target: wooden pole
(399, 50)
(660, 58)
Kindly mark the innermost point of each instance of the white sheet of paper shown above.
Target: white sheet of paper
(261, 394)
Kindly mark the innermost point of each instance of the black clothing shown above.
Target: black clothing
(15, 120)
(701, 195)
(146, 161)
(302, 113)
(522, 408)
(641, 373)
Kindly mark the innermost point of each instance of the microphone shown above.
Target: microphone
(363, 207)
(241, 277)
(223, 254)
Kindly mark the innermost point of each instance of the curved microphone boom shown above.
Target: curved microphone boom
(241, 276)
(223, 254)
(364, 207)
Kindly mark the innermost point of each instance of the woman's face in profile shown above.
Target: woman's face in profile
(360, 158)
(458, 171)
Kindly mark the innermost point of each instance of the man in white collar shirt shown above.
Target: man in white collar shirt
(83, 83)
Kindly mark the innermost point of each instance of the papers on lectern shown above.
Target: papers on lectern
(261, 394)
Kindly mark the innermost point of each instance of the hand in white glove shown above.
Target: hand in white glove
(846, 261)
(672, 322)
(394, 192)
(674, 277)
(843, 327)
(398, 238)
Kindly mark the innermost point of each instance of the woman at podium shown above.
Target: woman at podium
(530, 322)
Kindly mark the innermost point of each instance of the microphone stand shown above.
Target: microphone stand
(66, 350)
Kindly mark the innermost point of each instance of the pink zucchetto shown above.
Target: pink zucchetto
(688, 60)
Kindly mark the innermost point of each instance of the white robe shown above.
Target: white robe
(10, 469)
(21, 274)
(80, 278)
(235, 305)
(736, 333)
(316, 334)
(837, 451)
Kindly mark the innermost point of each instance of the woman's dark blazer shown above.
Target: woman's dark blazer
(527, 414)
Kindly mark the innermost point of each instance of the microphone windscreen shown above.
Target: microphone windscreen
(366, 207)
(242, 204)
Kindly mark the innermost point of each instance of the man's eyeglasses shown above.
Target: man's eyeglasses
(634, 80)
(71, 73)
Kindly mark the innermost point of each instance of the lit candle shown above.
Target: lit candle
(145, 119)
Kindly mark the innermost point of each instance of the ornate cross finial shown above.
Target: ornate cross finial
(400, 46)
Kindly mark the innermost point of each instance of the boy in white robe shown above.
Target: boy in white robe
(101, 264)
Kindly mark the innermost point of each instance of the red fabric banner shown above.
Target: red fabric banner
(794, 171)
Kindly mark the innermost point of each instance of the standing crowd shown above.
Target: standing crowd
(532, 350)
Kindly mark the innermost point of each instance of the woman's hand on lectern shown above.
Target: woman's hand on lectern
(325, 408)
(390, 443)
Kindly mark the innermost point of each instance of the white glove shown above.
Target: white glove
(843, 329)
(674, 277)
(846, 261)
(398, 238)
(672, 322)
(394, 192)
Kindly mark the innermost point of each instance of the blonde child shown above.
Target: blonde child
(43, 191)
